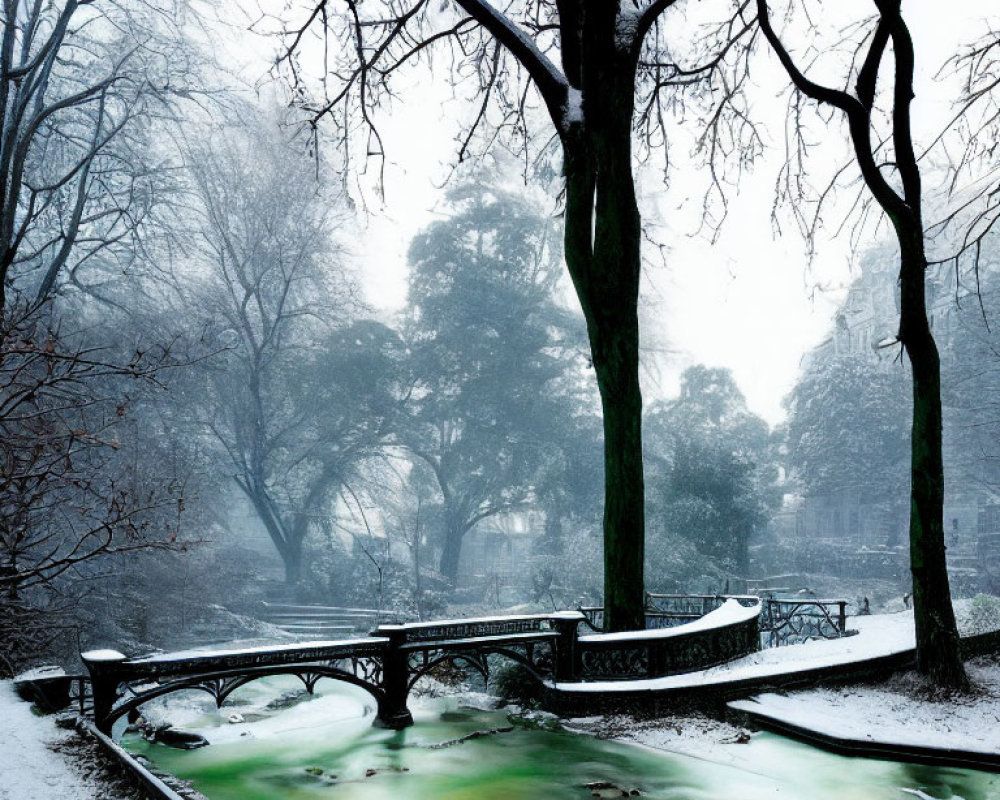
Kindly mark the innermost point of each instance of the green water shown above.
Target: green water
(303, 753)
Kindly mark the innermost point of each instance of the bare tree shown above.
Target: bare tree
(285, 399)
(80, 83)
(895, 183)
(609, 54)
(69, 497)
(968, 142)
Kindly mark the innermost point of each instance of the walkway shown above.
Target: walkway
(29, 768)
(884, 644)
(875, 722)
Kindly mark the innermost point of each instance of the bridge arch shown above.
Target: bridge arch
(477, 660)
(220, 685)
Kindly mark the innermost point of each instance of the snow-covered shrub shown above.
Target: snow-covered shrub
(572, 577)
(982, 615)
(515, 683)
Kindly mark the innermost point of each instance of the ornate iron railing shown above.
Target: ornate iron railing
(684, 633)
(477, 627)
(385, 664)
(670, 610)
(794, 621)
(121, 684)
(729, 632)
(782, 621)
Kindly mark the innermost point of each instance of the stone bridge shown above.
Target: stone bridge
(389, 661)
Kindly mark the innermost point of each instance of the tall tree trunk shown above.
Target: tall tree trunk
(602, 246)
(624, 517)
(9, 571)
(288, 545)
(938, 653)
(451, 552)
(552, 535)
(292, 556)
(418, 586)
(742, 542)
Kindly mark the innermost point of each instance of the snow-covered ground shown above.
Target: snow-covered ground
(39, 760)
(892, 713)
(895, 712)
(694, 735)
(30, 769)
(898, 711)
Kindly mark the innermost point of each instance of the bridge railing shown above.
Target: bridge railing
(670, 610)
(791, 621)
(388, 662)
(478, 627)
(116, 680)
(782, 621)
(516, 635)
(725, 633)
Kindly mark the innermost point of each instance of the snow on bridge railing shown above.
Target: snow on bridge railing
(475, 627)
(196, 661)
(669, 610)
(728, 632)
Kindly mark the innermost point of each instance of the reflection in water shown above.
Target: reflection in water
(949, 782)
(324, 749)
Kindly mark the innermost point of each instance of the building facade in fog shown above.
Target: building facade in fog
(856, 521)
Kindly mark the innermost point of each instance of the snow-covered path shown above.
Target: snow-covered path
(890, 715)
(29, 768)
(880, 635)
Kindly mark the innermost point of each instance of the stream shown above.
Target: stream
(269, 742)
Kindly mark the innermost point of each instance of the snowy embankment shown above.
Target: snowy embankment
(901, 713)
(30, 767)
(894, 713)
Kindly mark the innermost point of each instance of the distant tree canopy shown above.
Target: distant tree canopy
(713, 478)
(301, 390)
(971, 381)
(488, 349)
(849, 428)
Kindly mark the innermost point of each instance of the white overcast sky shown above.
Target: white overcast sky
(749, 302)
